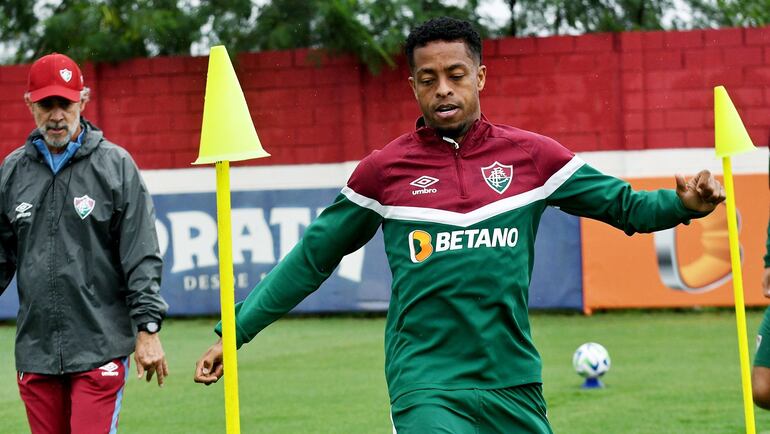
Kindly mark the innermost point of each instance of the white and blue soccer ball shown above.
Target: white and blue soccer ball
(591, 360)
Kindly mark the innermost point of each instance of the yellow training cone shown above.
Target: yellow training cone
(228, 133)
(731, 137)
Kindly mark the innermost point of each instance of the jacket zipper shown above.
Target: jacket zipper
(52, 272)
(458, 165)
(55, 227)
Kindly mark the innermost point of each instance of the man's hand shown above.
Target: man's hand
(209, 368)
(766, 283)
(702, 193)
(149, 357)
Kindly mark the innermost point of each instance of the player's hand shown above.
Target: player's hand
(766, 283)
(149, 357)
(702, 193)
(209, 368)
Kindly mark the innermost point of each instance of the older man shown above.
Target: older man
(77, 227)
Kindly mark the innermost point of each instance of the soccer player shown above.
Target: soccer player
(459, 201)
(760, 373)
(77, 227)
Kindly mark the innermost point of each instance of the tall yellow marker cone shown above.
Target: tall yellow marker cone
(731, 138)
(227, 135)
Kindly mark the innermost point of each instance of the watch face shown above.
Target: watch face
(152, 327)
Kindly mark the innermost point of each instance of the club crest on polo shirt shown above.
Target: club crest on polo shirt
(109, 370)
(65, 74)
(84, 205)
(423, 183)
(498, 176)
(23, 210)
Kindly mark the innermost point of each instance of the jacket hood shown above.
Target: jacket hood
(92, 136)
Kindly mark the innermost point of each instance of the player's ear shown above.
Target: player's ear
(85, 96)
(481, 77)
(28, 101)
(413, 85)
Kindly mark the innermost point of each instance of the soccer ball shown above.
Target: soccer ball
(591, 360)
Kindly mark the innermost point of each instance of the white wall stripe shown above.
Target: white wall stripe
(658, 163)
(248, 178)
(467, 219)
(663, 163)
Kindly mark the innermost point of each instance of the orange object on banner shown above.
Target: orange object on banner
(624, 272)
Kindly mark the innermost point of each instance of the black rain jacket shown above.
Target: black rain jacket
(83, 246)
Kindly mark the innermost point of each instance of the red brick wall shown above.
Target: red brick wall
(592, 92)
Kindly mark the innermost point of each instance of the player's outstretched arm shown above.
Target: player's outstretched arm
(701, 193)
(589, 193)
(209, 368)
(342, 228)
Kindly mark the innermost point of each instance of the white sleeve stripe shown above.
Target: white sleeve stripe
(432, 215)
(364, 201)
(562, 175)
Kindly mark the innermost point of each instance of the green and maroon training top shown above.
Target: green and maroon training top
(459, 223)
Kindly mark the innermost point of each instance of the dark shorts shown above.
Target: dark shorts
(518, 409)
(81, 403)
(762, 357)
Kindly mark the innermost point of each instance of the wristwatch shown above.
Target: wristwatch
(150, 327)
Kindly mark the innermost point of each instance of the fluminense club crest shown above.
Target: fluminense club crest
(498, 176)
(66, 74)
(84, 205)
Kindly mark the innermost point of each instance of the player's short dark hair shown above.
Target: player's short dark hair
(443, 29)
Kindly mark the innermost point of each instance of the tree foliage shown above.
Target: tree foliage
(731, 13)
(538, 17)
(99, 30)
(110, 30)
(530, 17)
(372, 30)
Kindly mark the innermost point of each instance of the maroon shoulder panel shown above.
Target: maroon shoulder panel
(493, 162)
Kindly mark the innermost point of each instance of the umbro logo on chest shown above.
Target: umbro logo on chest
(497, 176)
(23, 210)
(423, 184)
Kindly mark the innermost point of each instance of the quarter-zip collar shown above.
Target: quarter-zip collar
(429, 136)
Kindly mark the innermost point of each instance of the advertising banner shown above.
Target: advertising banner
(687, 266)
(267, 223)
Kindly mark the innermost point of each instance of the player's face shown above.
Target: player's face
(446, 81)
(57, 119)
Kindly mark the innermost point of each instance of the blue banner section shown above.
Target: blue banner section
(267, 224)
(557, 277)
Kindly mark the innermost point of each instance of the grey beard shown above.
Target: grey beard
(54, 143)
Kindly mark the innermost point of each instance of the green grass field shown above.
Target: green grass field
(672, 372)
